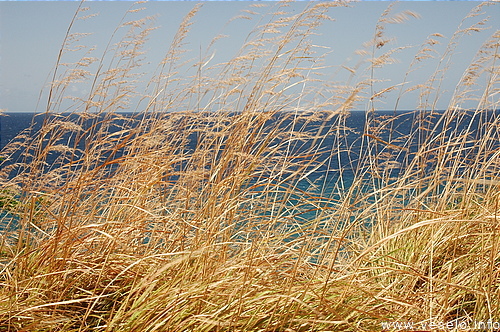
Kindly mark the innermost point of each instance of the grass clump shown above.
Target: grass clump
(202, 209)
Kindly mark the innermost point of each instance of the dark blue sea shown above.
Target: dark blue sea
(345, 145)
(350, 141)
(381, 127)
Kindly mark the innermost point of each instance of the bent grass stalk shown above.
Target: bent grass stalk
(200, 210)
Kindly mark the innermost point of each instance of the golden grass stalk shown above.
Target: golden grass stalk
(202, 211)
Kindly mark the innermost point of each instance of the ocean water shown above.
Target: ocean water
(342, 151)
(345, 146)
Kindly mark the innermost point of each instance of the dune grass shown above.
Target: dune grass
(200, 211)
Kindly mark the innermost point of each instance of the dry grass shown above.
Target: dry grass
(125, 224)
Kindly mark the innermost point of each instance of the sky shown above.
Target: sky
(31, 34)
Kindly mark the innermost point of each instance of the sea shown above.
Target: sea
(342, 151)
(345, 146)
(383, 127)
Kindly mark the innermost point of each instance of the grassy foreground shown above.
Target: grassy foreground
(130, 228)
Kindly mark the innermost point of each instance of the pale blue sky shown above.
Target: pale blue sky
(31, 34)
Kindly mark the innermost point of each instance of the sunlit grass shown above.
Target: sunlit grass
(201, 210)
